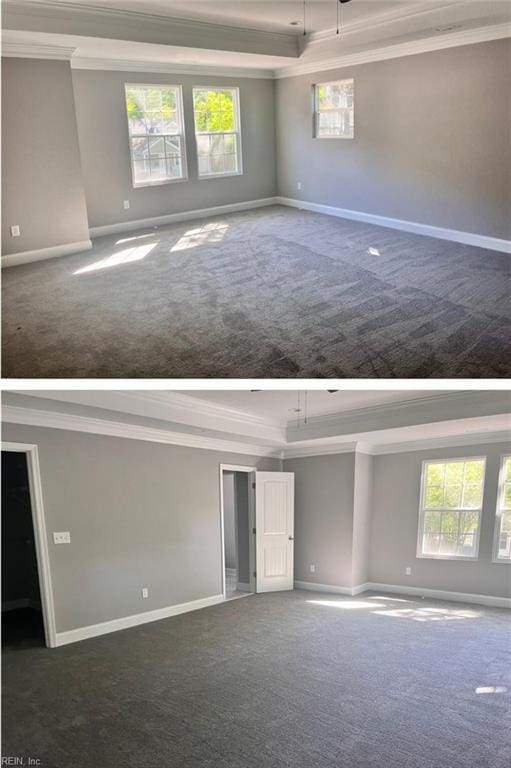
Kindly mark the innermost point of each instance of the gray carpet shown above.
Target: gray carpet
(301, 679)
(272, 292)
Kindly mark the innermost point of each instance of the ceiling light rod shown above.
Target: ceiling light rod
(304, 27)
(338, 6)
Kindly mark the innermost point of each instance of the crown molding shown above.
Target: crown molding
(53, 420)
(108, 22)
(377, 408)
(410, 48)
(138, 65)
(58, 9)
(502, 436)
(36, 51)
(382, 19)
(371, 449)
(172, 407)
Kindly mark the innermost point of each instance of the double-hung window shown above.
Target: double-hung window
(156, 133)
(217, 131)
(334, 115)
(450, 509)
(502, 548)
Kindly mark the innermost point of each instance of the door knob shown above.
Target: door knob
(291, 538)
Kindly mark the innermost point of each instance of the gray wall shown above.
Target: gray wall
(362, 514)
(323, 517)
(41, 174)
(431, 140)
(103, 132)
(396, 496)
(138, 517)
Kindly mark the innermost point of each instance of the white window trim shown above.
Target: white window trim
(500, 503)
(422, 510)
(315, 105)
(239, 172)
(184, 161)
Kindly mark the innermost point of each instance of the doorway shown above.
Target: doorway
(237, 497)
(27, 602)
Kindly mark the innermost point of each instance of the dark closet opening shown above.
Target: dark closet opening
(22, 618)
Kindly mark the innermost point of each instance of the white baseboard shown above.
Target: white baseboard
(82, 633)
(467, 238)
(172, 218)
(26, 257)
(441, 594)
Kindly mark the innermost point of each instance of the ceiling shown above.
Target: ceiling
(271, 15)
(251, 37)
(260, 423)
(281, 405)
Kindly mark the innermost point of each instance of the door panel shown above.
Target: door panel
(274, 530)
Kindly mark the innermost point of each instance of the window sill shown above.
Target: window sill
(447, 557)
(219, 175)
(501, 561)
(330, 138)
(141, 185)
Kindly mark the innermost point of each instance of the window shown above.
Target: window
(451, 503)
(333, 109)
(156, 134)
(502, 549)
(217, 131)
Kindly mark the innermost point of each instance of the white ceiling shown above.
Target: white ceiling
(280, 405)
(271, 15)
(377, 422)
(254, 37)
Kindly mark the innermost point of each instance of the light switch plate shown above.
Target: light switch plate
(15, 230)
(61, 537)
(408, 570)
(145, 593)
(126, 204)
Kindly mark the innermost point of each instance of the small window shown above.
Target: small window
(502, 549)
(334, 110)
(451, 504)
(217, 131)
(156, 134)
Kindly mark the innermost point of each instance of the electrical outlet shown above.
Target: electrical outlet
(298, 185)
(312, 568)
(126, 204)
(408, 570)
(61, 537)
(15, 230)
(145, 592)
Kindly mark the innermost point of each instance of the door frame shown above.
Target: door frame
(40, 536)
(251, 523)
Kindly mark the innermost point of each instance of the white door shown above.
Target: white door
(274, 530)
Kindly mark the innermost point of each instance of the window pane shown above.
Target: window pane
(230, 143)
(140, 148)
(432, 522)
(450, 522)
(466, 545)
(158, 168)
(507, 470)
(507, 496)
(141, 171)
(217, 145)
(217, 163)
(203, 145)
(454, 472)
(204, 167)
(231, 163)
(434, 497)
(157, 147)
(448, 542)
(174, 167)
(431, 543)
(469, 522)
(472, 496)
(452, 496)
(435, 474)
(474, 471)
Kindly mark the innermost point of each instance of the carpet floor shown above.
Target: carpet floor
(273, 292)
(298, 680)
